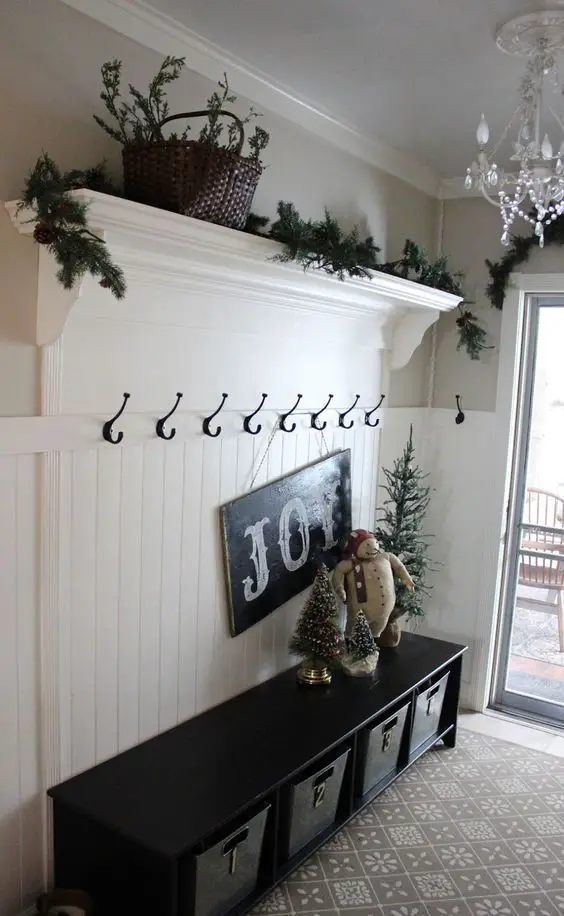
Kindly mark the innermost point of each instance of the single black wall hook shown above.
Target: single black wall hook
(207, 421)
(369, 413)
(460, 415)
(247, 420)
(284, 417)
(342, 416)
(315, 416)
(107, 430)
(160, 423)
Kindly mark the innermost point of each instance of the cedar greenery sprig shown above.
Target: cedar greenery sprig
(62, 223)
(140, 120)
(323, 245)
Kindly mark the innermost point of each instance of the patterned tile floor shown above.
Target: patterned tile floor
(474, 831)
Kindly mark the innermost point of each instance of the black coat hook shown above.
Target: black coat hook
(315, 416)
(207, 421)
(460, 416)
(160, 423)
(284, 417)
(107, 430)
(342, 416)
(369, 413)
(247, 420)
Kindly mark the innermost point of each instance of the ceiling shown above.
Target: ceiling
(415, 74)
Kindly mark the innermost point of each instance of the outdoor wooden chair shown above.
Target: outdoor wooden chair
(541, 556)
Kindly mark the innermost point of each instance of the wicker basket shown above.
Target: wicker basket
(197, 179)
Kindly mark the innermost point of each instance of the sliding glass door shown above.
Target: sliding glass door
(530, 668)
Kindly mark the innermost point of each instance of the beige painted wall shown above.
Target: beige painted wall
(471, 234)
(50, 58)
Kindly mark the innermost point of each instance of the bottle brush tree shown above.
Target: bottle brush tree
(401, 528)
(317, 635)
(360, 644)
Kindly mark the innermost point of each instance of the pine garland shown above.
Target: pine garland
(324, 245)
(403, 515)
(62, 225)
(518, 253)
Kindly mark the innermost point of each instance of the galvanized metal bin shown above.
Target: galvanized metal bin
(314, 802)
(227, 872)
(379, 749)
(428, 710)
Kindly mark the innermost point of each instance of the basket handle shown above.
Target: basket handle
(204, 111)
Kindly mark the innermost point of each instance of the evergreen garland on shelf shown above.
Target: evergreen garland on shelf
(403, 516)
(324, 245)
(62, 224)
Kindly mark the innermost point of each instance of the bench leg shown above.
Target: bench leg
(560, 607)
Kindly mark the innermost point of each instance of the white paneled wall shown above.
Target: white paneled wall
(148, 640)
(21, 838)
(114, 612)
(462, 520)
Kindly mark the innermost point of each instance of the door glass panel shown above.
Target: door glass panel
(532, 669)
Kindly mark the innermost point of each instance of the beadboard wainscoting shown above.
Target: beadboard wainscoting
(115, 621)
(464, 521)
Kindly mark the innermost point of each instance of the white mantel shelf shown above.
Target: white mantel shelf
(157, 247)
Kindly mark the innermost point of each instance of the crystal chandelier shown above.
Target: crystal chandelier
(534, 190)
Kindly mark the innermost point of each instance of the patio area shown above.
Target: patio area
(536, 665)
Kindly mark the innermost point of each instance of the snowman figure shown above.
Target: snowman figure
(364, 580)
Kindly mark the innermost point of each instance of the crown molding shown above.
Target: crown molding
(148, 27)
(156, 248)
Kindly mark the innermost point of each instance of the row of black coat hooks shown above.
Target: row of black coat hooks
(116, 437)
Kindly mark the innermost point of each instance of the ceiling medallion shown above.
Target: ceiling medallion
(535, 191)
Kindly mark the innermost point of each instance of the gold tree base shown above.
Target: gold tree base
(313, 673)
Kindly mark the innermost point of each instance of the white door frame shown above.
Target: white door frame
(501, 460)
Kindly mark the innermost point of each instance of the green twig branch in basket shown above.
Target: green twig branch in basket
(324, 245)
(141, 120)
(62, 224)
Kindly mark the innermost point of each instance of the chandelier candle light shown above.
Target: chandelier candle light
(535, 192)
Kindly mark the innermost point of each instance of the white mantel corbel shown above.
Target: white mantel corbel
(157, 247)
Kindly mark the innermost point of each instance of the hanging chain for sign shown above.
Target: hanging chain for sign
(266, 451)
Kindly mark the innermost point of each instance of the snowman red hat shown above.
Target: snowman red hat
(355, 539)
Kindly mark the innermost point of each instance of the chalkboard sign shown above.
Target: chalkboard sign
(275, 537)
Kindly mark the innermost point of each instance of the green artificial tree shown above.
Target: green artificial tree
(401, 528)
(317, 637)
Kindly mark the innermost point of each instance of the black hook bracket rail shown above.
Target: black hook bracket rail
(160, 423)
(342, 416)
(460, 417)
(315, 416)
(107, 429)
(369, 413)
(207, 420)
(247, 420)
(284, 417)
